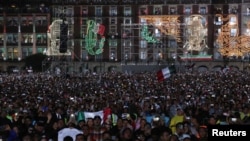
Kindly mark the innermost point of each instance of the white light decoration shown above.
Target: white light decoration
(229, 40)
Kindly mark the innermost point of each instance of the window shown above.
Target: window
(188, 10)
(41, 39)
(143, 44)
(41, 49)
(84, 21)
(157, 10)
(203, 10)
(233, 20)
(41, 21)
(69, 12)
(233, 32)
(26, 51)
(113, 21)
(157, 33)
(218, 21)
(113, 11)
(127, 53)
(12, 53)
(98, 11)
(85, 55)
(12, 21)
(12, 38)
(27, 38)
(143, 11)
(173, 10)
(143, 54)
(84, 11)
(233, 10)
(113, 43)
(127, 11)
(127, 20)
(112, 54)
(98, 20)
(126, 33)
(172, 44)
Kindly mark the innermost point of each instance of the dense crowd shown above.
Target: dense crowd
(39, 106)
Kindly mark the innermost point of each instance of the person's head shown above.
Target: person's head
(90, 122)
(203, 133)
(179, 128)
(68, 138)
(165, 134)
(174, 138)
(186, 137)
(27, 137)
(212, 120)
(97, 120)
(127, 134)
(79, 137)
(106, 135)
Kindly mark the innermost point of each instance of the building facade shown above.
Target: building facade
(137, 32)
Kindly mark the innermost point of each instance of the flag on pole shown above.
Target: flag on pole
(165, 73)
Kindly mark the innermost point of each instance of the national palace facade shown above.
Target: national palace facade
(136, 32)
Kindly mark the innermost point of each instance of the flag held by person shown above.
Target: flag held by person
(165, 73)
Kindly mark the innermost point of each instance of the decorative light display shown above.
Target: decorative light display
(93, 30)
(230, 43)
(167, 24)
(195, 33)
(146, 35)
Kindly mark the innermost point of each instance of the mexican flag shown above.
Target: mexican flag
(84, 115)
(165, 73)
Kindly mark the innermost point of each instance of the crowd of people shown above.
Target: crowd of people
(46, 107)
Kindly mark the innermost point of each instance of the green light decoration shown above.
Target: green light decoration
(146, 36)
(91, 40)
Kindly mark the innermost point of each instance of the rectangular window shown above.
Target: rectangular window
(28, 38)
(172, 10)
(143, 11)
(98, 20)
(26, 51)
(12, 53)
(98, 11)
(143, 54)
(85, 55)
(113, 21)
(41, 39)
(127, 11)
(143, 44)
(157, 10)
(112, 54)
(41, 49)
(113, 11)
(233, 32)
(85, 11)
(12, 21)
(113, 43)
(188, 10)
(127, 53)
(127, 20)
(12, 38)
(203, 10)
